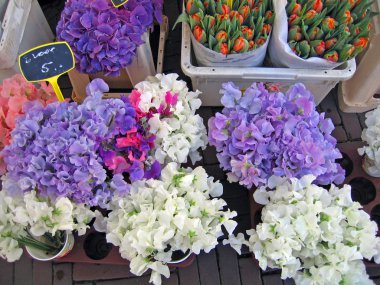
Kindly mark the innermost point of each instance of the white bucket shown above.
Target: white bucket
(186, 256)
(369, 167)
(40, 255)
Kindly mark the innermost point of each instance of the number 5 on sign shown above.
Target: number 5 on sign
(118, 3)
(47, 63)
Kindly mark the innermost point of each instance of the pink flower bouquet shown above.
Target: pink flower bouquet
(14, 93)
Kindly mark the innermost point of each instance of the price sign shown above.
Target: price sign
(47, 63)
(118, 3)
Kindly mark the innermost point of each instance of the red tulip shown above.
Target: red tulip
(361, 43)
(331, 56)
(294, 20)
(197, 18)
(224, 49)
(221, 36)
(226, 9)
(330, 43)
(235, 14)
(247, 32)
(240, 45)
(296, 9)
(244, 11)
(252, 45)
(266, 28)
(199, 34)
(318, 6)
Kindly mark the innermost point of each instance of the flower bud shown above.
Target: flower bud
(328, 24)
(251, 45)
(239, 18)
(303, 49)
(240, 45)
(244, 11)
(346, 18)
(247, 32)
(319, 47)
(251, 3)
(331, 43)
(317, 6)
(296, 9)
(346, 52)
(331, 56)
(315, 34)
(310, 17)
(222, 36)
(266, 29)
(269, 16)
(209, 22)
(223, 9)
(261, 41)
(360, 44)
(222, 48)
(197, 18)
(294, 20)
(199, 34)
(190, 6)
(295, 34)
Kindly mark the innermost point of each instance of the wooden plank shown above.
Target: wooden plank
(63, 274)
(373, 271)
(249, 272)
(228, 265)
(6, 272)
(189, 275)
(131, 281)
(42, 273)
(208, 268)
(23, 270)
(377, 281)
(289, 281)
(272, 279)
(85, 272)
(172, 280)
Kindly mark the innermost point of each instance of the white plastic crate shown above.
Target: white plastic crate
(25, 27)
(209, 80)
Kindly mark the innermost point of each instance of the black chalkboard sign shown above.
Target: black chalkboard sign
(118, 3)
(47, 63)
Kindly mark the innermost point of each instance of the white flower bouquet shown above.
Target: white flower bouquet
(161, 217)
(37, 222)
(313, 235)
(168, 107)
(371, 135)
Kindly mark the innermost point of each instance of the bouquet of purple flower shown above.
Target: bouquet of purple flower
(262, 133)
(102, 37)
(64, 149)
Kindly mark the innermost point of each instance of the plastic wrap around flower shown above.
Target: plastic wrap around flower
(168, 107)
(178, 212)
(262, 133)
(314, 235)
(84, 152)
(15, 93)
(102, 37)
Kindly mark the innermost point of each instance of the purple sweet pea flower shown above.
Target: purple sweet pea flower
(104, 38)
(261, 133)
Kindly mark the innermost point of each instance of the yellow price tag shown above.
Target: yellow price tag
(118, 3)
(47, 63)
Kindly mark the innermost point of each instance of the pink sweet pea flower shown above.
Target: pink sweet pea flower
(117, 163)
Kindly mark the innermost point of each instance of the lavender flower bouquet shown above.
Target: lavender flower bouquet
(102, 37)
(68, 150)
(261, 133)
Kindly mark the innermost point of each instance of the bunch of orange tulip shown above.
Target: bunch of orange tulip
(242, 27)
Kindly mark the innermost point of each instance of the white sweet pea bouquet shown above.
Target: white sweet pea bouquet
(371, 135)
(315, 236)
(168, 107)
(161, 217)
(37, 222)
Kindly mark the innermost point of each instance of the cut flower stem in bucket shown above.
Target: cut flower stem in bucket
(48, 247)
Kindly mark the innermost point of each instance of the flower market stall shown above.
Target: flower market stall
(117, 168)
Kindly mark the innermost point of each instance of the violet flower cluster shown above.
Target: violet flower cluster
(102, 37)
(59, 150)
(262, 133)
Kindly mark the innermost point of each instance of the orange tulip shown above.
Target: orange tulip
(221, 36)
(240, 45)
(224, 49)
(199, 34)
(247, 32)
